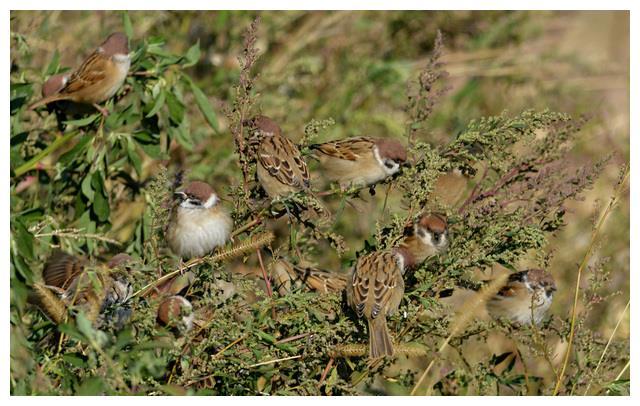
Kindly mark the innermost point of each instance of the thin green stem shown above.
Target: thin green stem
(55, 145)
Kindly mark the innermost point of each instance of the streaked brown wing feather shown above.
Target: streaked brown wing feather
(281, 158)
(374, 282)
(93, 70)
(61, 269)
(349, 149)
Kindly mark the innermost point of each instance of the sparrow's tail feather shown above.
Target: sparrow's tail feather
(379, 339)
(47, 100)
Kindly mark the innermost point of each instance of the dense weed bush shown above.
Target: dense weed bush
(96, 186)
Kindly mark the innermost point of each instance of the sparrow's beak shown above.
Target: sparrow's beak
(405, 164)
(180, 195)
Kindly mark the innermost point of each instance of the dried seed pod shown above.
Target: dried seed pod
(176, 311)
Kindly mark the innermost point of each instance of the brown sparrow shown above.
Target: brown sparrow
(377, 285)
(97, 79)
(198, 223)
(287, 275)
(177, 312)
(280, 167)
(360, 161)
(428, 237)
(525, 298)
(64, 274)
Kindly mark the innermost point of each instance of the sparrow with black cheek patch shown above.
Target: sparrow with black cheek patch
(280, 167)
(360, 161)
(198, 223)
(376, 286)
(526, 297)
(428, 237)
(97, 79)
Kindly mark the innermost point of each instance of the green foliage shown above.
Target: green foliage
(96, 186)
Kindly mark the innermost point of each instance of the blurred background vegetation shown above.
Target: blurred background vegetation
(354, 67)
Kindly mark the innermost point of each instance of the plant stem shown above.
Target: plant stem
(613, 333)
(583, 264)
(33, 162)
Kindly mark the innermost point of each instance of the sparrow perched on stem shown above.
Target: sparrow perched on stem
(360, 161)
(199, 223)
(525, 298)
(280, 167)
(376, 286)
(96, 80)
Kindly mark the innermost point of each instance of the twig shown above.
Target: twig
(613, 333)
(55, 145)
(326, 371)
(585, 259)
(77, 234)
(273, 361)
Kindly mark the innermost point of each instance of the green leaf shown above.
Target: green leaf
(68, 156)
(91, 387)
(176, 108)
(193, 55)
(24, 240)
(75, 360)
(101, 207)
(85, 186)
(82, 122)
(157, 105)
(126, 22)
(53, 65)
(203, 104)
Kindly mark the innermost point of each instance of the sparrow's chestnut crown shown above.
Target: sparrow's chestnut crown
(116, 43)
(201, 191)
(391, 149)
(434, 222)
(540, 277)
(264, 124)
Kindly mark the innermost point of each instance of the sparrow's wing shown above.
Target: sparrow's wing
(350, 149)
(320, 280)
(93, 70)
(281, 158)
(375, 283)
(316, 279)
(61, 269)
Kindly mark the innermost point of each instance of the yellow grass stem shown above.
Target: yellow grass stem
(606, 347)
(594, 236)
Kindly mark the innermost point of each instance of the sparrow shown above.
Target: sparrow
(286, 275)
(65, 275)
(96, 80)
(429, 236)
(525, 298)
(280, 167)
(198, 224)
(360, 161)
(376, 286)
(176, 312)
